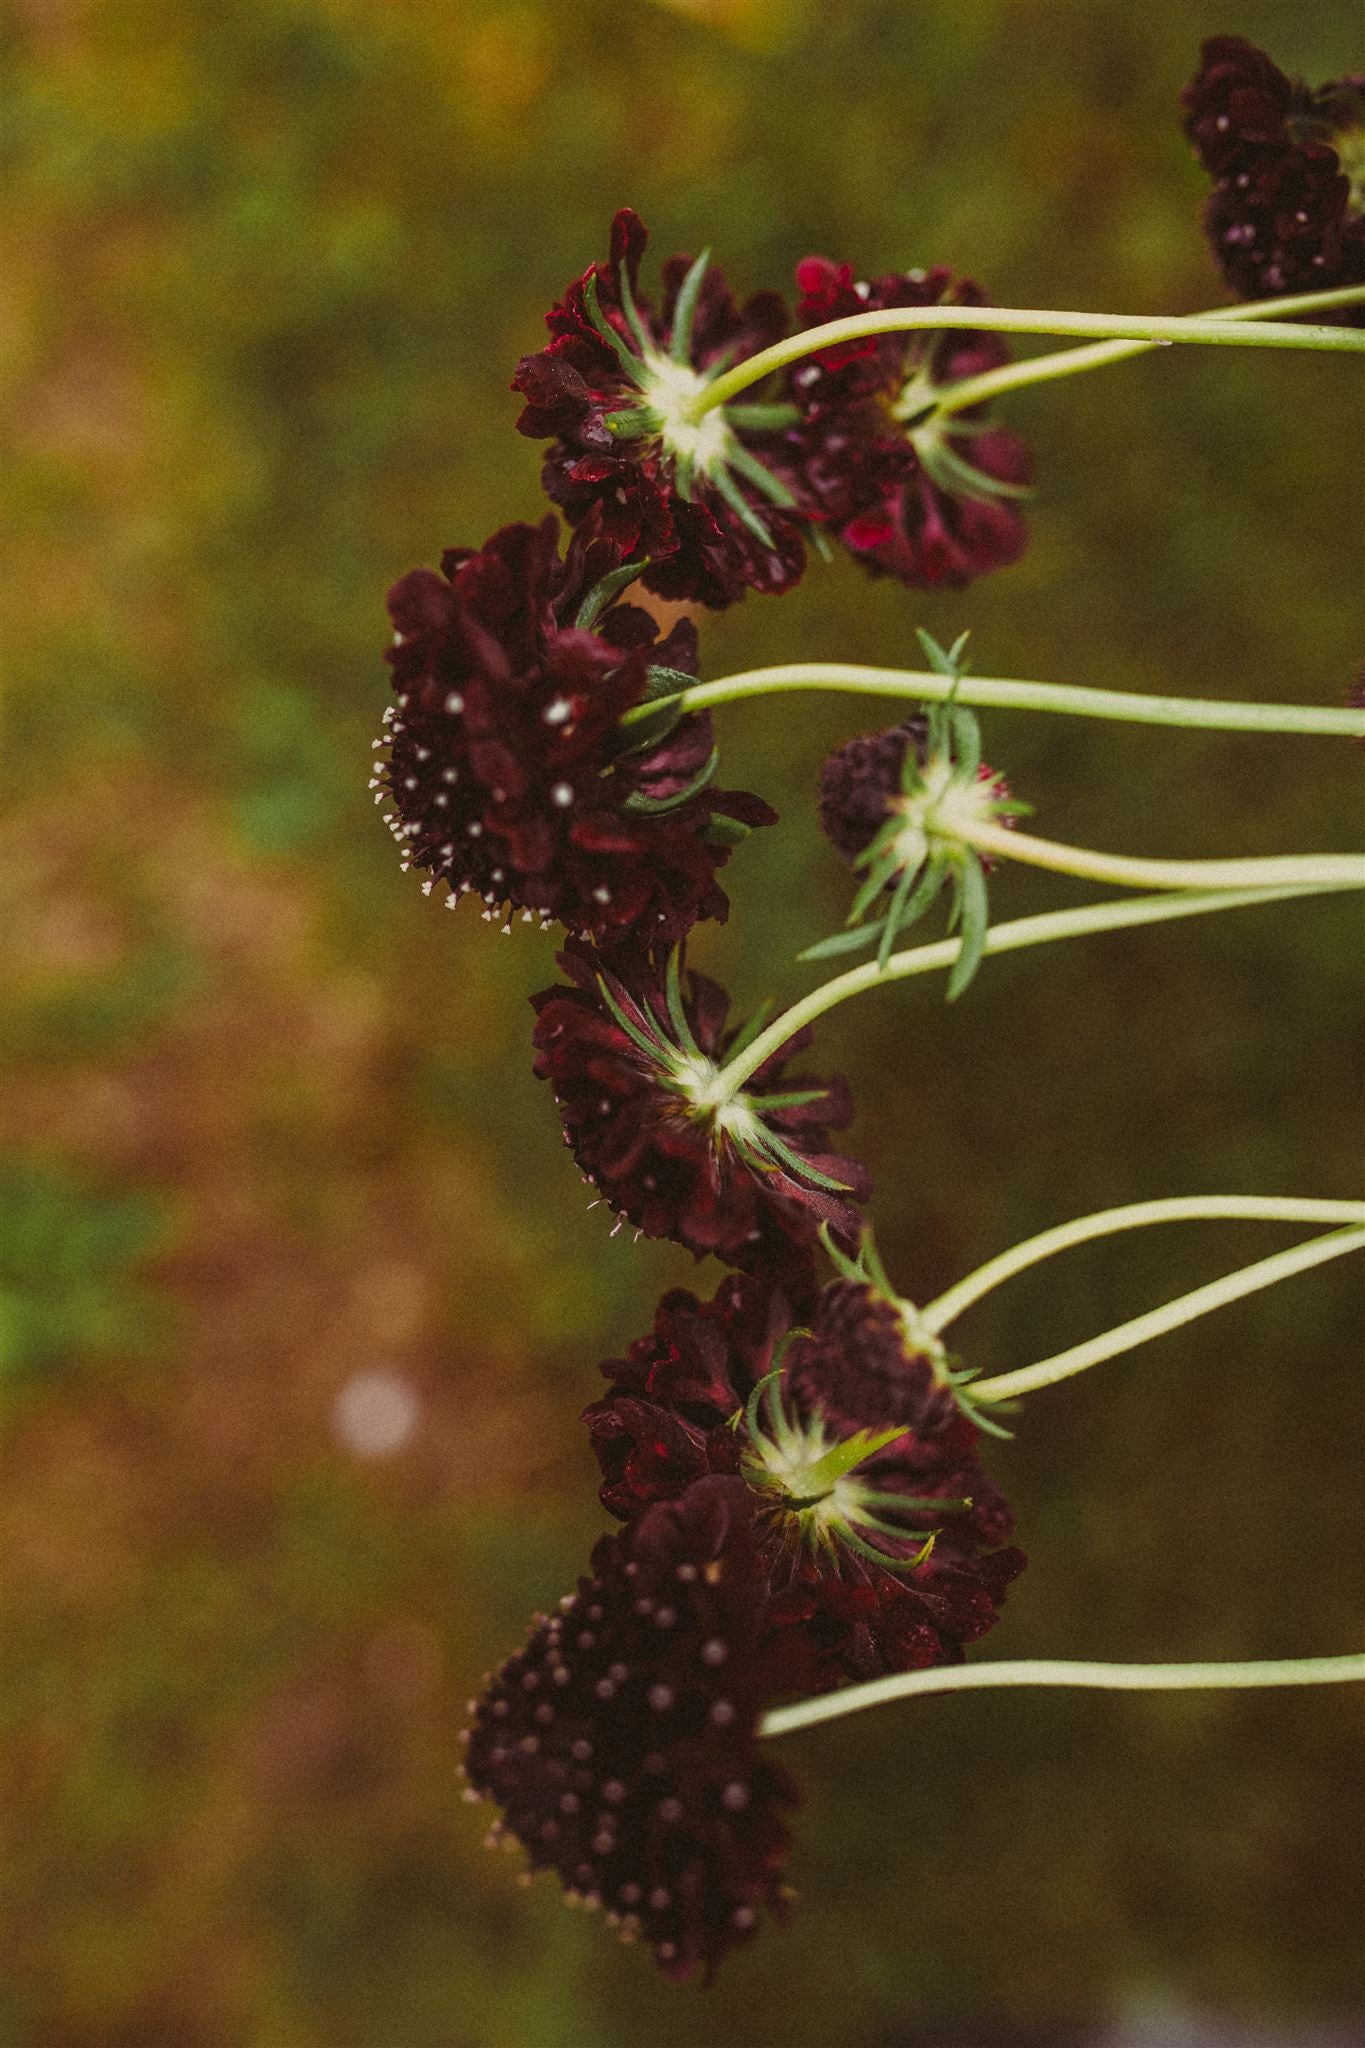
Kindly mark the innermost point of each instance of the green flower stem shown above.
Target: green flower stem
(937, 1315)
(1006, 844)
(907, 1685)
(1159, 329)
(1069, 362)
(1001, 938)
(1187, 1308)
(1006, 694)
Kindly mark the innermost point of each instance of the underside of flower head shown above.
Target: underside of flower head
(703, 496)
(620, 1742)
(507, 769)
(927, 497)
(1287, 209)
(635, 1053)
(899, 806)
(880, 1535)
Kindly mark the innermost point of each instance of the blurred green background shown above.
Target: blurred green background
(301, 1295)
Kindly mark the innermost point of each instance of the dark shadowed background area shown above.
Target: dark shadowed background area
(302, 1294)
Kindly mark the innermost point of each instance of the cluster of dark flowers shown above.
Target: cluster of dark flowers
(799, 1491)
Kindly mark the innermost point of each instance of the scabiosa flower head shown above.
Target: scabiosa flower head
(508, 770)
(907, 807)
(703, 497)
(863, 788)
(913, 493)
(1287, 209)
(620, 1741)
(634, 1053)
(882, 1540)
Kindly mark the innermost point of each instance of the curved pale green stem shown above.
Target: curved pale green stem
(1003, 843)
(1035, 1671)
(935, 1318)
(1069, 362)
(1227, 333)
(924, 686)
(1001, 938)
(1172, 1315)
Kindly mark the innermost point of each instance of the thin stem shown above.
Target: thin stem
(936, 1317)
(1068, 362)
(1187, 1308)
(1010, 694)
(905, 1685)
(1001, 938)
(1128, 873)
(1159, 328)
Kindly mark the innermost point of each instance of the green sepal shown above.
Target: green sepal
(872, 887)
(844, 1266)
(685, 307)
(601, 594)
(974, 915)
(674, 999)
(660, 806)
(795, 1098)
(774, 1150)
(761, 477)
(750, 1029)
(637, 325)
(631, 364)
(724, 831)
(966, 744)
(724, 484)
(842, 942)
(652, 1044)
(946, 467)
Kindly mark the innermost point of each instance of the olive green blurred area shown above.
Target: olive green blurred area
(302, 1296)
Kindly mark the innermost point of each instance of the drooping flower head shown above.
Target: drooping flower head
(901, 806)
(508, 771)
(1287, 209)
(634, 1053)
(620, 1741)
(882, 1540)
(927, 497)
(704, 498)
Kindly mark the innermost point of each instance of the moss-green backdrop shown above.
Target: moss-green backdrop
(274, 1137)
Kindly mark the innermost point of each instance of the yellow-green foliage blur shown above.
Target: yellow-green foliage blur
(302, 1294)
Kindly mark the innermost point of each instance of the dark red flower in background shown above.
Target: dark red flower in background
(508, 771)
(707, 500)
(927, 497)
(634, 1056)
(620, 1742)
(1287, 209)
(855, 1592)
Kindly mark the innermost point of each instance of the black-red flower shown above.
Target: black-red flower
(1287, 209)
(882, 1541)
(508, 770)
(620, 1741)
(913, 492)
(706, 498)
(634, 1053)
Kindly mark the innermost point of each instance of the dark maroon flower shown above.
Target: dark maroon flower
(1287, 209)
(879, 1533)
(706, 499)
(620, 1742)
(928, 497)
(861, 780)
(634, 1054)
(863, 785)
(508, 769)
